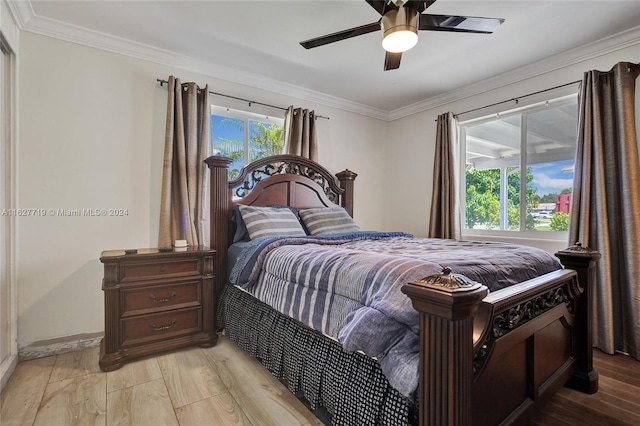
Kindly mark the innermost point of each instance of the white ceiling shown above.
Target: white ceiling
(258, 40)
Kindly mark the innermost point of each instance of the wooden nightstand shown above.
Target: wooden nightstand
(155, 301)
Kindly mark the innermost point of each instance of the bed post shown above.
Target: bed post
(583, 261)
(346, 178)
(447, 303)
(219, 215)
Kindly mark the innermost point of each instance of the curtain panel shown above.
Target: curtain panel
(300, 133)
(184, 202)
(605, 211)
(445, 220)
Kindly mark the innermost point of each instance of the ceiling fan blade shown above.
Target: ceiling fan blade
(420, 6)
(464, 24)
(392, 60)
(381, 6)
(341, 35)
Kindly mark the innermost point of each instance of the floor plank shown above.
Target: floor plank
(76, 401)
(134, 373)
(21, 397)
(223, 408)
(622, 368)
(143, 404)
(75, 364)
(263, 398)
(616, 402)
(189, 376)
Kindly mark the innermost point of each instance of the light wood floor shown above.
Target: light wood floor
(617, 401)
(192, 386)
(224, 386)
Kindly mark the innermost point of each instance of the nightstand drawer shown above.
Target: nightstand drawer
(160, 297)
(156, 300)
(161, 326)
(133, 271)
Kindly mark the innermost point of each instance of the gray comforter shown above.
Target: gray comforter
(348, 286)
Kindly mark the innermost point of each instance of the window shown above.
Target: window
(519, 169)
(244, 136)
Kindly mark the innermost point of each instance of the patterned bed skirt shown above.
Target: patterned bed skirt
(350, 386)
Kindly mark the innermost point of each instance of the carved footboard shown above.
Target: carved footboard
(491, 359)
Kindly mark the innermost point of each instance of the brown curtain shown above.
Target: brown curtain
(606, 203)
(300, 133)
(444, 220)
(184, 203)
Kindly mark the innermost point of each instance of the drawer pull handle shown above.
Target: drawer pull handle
(166, 299)
(163, 268)
(166, 327)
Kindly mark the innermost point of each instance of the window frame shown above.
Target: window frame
(246, 116)
(523, 111)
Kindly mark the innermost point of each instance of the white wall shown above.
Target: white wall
(412, 149)
(91, 136)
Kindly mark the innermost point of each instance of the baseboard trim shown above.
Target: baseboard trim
(6, 370)
(58, 346)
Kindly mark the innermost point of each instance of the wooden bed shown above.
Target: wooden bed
(509, 350)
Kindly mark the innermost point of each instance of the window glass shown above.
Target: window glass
(228, 139)
(245, 137)
(265, 139)
(528, 152)
(551, 149)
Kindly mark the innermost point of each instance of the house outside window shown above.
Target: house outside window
(519, 168)
(245, 136)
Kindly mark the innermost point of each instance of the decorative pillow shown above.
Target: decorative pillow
(270, 222)
(241, 229)
(327, 221)
(242, 234)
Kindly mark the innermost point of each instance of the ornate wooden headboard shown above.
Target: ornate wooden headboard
(281, 179)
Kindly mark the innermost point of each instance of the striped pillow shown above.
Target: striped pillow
(270, 222)
(327, 221)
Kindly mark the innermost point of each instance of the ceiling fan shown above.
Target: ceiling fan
(400, 23)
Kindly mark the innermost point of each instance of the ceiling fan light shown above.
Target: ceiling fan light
(399, 30)
(399, 41)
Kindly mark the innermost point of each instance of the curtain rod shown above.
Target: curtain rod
(516, 99)
(250, 102)
(536, 93)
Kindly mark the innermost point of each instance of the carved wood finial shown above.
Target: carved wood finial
(218, 161)
(446, 280)
(346, 175)
(579, 248)
(577, 252)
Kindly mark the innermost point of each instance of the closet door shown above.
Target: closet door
(8, 299)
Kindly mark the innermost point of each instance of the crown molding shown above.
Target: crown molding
(27, 20)
(31, 22)
(21, 10)
(601, 47)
